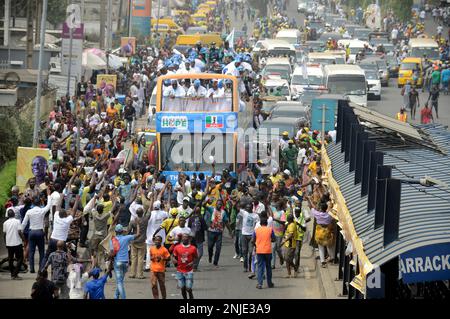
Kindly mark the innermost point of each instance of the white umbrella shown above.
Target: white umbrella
(114, 61)
(92, 61)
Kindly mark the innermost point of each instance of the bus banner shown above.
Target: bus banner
(225, 122)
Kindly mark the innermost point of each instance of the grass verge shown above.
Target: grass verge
(7, 180)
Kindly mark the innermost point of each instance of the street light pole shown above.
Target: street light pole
(37, 110)
(130, 9)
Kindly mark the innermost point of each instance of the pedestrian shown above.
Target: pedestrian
(249, 221)
(434, 97)
(299, 219)
(95, 289)
(138, 246)
(157, 216)
(159, 255)
(119, 256)
(14, 238)
(218, 219)
(405, 93)
(36, 237)
(402, 116)
(183, 257)
(262, 238)
(279, 221)
(324, 234)
(44, 289)
(289, 242)
(59, 260)
(413, 101)
(198, 227)
(426, 115)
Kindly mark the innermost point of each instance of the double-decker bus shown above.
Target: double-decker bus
(195, 126)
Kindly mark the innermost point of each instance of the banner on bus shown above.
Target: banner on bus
(225, 122)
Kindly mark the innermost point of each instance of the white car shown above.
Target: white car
(275, 86)
(373, 84)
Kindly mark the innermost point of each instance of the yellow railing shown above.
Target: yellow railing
(341, 213)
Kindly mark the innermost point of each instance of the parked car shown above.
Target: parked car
(373, 85)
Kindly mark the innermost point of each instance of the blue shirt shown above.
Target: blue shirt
(124, 241)
(125, 191)
(96, 287)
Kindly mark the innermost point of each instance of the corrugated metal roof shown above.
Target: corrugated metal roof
(424, 211)
(382, 120)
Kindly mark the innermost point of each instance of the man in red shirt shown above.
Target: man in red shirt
(183, 257)
(426, 115)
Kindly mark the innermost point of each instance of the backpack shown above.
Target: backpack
(116, 246)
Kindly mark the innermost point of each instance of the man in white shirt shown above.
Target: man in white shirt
(196, 94)
(182, 187)
(156, 218)
(394, 35)
(179, 230)
(61, 225)
(249, 221)
(56, 198)
(422, 16)
(175, 93)
(12, 230)
(36, 236)
(134, 207)
(215, 97)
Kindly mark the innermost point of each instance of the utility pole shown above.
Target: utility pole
(82, 11)
(37, 38)
(109, 26)
(6, 24)
(37, 110)
(29, 34)
(119, 17)
(130, 14)
(102, 23)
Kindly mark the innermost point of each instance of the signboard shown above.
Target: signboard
(225, 122)
(77, 50)
(317, 108)
(31, 162)
(429, 263)
(172, 176)
(127, 46)
(60, 83)
(141, 14)
(107, 81)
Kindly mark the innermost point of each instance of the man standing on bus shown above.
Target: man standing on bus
(215, 94)
(196, 94)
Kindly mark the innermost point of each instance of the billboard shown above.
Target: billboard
(127, 46)
(107, 81)
(140, 20)
(31, 162)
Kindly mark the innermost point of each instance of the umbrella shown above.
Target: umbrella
(114, 61)
(92, 61)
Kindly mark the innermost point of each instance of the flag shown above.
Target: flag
(230, 39)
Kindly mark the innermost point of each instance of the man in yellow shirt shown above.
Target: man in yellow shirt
(290, 242)
(275, 177)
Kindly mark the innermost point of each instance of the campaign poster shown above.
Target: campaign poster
(31, 162)
(127, 46)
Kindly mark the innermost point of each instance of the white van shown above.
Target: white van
(347, 80)
(309, 77)
(278, 66)
(291, 36)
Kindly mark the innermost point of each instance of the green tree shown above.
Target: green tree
(56, 11)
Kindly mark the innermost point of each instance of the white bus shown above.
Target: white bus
(424, 47)
(291, 36)
(347, 80)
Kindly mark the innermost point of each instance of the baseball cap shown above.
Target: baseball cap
(186, 198)
(119, 228)
(95, 271)
(157, 205)
(174, 211)
(287, 172)
(285, 133)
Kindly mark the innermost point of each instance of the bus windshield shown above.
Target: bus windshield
(430, 53)
(189, 153)
(311, 80)
(409, 66)
(351, 85)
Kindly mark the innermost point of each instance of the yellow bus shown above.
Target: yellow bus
(194, 125)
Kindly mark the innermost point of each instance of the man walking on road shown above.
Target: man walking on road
(263, 238)
(12, 230)
(434, 97)
(183, 257)
(158, 255)
(119, 256)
